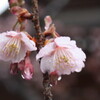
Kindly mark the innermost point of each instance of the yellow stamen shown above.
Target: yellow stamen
(12, 48)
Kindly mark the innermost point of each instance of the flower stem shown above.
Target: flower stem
(40, 43)
(15, 25)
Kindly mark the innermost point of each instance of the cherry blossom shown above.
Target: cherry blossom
(61, 56)
(14, 46)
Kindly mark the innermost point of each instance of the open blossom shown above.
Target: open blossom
(14, 45)
(61, 56)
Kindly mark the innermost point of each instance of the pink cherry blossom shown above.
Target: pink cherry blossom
(14, 45)
(61, 56)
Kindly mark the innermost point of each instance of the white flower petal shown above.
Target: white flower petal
(30, 45)
(12, 33)
(46, 50)
(3, 38)
(65, 42)
(79, 66)
(47, 64)
(78, 54)
(21, 55)
(73, 43)
(62, 41)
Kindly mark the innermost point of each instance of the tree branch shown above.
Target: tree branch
(40, 43)
(40, 36)
(47, 88)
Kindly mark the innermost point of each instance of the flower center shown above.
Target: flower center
(61, 59)
(12, 48)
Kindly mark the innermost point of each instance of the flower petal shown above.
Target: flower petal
(3, 38)
(46, 50)
(47, 64)
(62, 41)
(21, 55)
(30, 45)
(48, 22)
(78, 54)
(65, 42)
(3, 41)
(12, 33)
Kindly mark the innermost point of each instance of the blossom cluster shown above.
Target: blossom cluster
(59, 55)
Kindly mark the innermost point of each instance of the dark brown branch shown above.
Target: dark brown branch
(40, 44)
(40, 36)
(36, 17)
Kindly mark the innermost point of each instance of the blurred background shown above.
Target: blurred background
(79, 19)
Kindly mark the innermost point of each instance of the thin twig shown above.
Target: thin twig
(40, 43)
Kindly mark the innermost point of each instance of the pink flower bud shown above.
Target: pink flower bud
(13, 1)
(49, 27)
(16, 10)
(26, 68)
(48, 22)
(20, 12)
